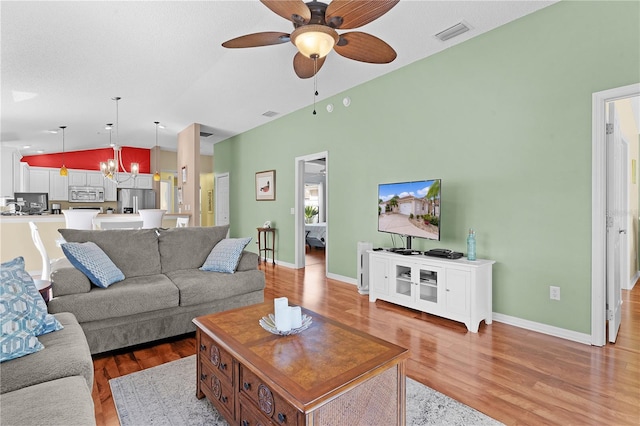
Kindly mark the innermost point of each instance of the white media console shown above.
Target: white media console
(460, 289)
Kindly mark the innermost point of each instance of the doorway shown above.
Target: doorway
(599, 216)
(315, 212)
(311, 190)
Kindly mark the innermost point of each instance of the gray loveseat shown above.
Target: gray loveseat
(52, 386)
(163, 289)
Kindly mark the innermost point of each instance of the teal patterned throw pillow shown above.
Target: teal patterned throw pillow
(93, 262)
(225, 255)
(23, 312)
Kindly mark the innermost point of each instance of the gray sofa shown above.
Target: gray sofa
(52, 386)
(163, 289)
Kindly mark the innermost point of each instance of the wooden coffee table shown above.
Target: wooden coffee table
(328, 374)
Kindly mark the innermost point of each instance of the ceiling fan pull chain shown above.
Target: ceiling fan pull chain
(315, 83)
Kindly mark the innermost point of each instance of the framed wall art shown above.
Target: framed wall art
(266, 185)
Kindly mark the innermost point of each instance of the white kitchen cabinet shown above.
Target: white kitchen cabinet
(77, 178)
(38, 180)
(460, 290)
(144, 181)
(140, 182)
(21, 178)
(110, 190)
(126, 181)
(85, 178)
(95, 179)
(9, 171)
(58, 186)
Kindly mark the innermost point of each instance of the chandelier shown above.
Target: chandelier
(110, 168)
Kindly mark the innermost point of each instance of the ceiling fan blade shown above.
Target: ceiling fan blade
(293, 10)
(257, 39)
(364, 47)
(305, 67)
(348, 14)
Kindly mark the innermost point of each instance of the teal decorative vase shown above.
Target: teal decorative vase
(471, 245)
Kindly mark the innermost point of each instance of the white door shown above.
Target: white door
(222, 199)
(615, 222)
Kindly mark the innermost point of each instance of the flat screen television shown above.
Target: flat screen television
(32, 202)
(411, 209)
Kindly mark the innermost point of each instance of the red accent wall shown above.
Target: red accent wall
(90, 159)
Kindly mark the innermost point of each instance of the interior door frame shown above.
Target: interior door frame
(300, 241)
(599, 206)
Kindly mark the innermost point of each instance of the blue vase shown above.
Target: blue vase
(471, 245)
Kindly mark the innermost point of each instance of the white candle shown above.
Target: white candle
(282, 313)
(296, 317)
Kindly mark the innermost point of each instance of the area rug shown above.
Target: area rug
(165, 395)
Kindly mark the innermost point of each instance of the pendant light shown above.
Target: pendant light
(63, 169)
(156, 175)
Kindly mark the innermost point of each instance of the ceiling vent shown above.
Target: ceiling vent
(270, 114)
(452, 32)
(205, 134)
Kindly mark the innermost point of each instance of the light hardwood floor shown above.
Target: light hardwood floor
(511, 374)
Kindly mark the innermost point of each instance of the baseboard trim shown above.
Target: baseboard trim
(342, 278)
(633, 281)
(285, 264)
(543, 328)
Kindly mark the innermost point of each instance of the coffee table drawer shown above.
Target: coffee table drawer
(218, 390)
(249, 416)
(217, 356)
(268, 403)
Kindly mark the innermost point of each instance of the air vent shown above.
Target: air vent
(452, 32)
(205, 134)
(270, 114)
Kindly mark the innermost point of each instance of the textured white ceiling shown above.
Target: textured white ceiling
(62, 62)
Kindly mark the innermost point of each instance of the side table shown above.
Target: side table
(264, 232)
(44, 287)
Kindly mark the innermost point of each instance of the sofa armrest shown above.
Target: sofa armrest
(66, 279)
(248, 261)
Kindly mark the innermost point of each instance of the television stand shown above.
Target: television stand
(457, 289)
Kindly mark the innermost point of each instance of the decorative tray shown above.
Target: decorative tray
(269, 324)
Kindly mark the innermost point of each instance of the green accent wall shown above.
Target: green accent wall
(503, 119)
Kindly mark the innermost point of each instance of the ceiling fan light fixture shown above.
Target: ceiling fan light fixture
(314, 41)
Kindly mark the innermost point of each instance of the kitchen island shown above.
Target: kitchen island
(15, 235)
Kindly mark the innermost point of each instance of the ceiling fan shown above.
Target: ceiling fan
(315, 24)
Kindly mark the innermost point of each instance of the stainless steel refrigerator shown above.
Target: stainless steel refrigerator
(132, 200)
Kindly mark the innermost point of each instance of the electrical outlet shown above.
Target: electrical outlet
(554, 293)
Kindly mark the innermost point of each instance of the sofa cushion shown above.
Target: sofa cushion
(225, 255)
(188, 248)
(65, 401)
(133, 251)
(248, 261)
(198, 286)
(131, 296)
(93, 262)
(66, 279)
(66, 354)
